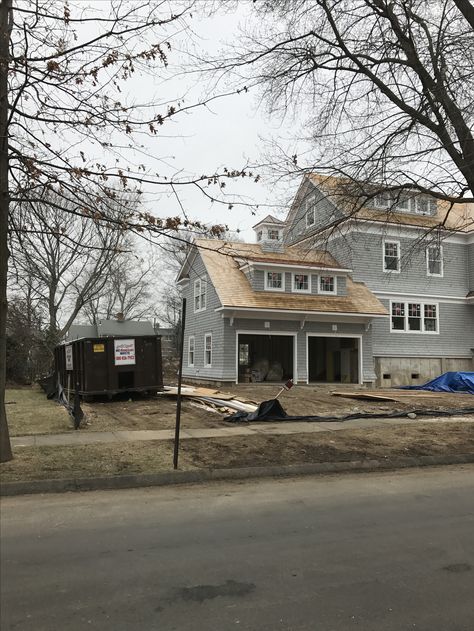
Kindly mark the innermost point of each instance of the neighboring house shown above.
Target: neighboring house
(337, 293)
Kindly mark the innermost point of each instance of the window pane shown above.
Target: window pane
(301, 282)
(274, 280)
(326, 283)
(398, 316)
(414, 317)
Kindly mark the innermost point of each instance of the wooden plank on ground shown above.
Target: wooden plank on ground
(364, 395)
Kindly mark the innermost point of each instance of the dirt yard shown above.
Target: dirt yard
(36, 463)
(30, 412)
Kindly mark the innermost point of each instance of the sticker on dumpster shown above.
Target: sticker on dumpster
(124, 352)
(98, 348)
(69, 363)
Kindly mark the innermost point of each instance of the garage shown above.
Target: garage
(334, 359)
(263, 357)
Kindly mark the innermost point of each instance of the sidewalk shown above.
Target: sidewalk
(86, 437)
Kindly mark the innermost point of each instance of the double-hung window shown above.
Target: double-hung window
(309, 207)
(273, 234)
(301, 283)
(391, 256)
(274, 281)
(414, 317)
(327, 285)
(208, 350)
(191, 347)
(434, 260)
(200, 294)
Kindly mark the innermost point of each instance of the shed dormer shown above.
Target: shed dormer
(269, 233)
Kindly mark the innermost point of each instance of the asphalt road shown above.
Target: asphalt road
(376, 552)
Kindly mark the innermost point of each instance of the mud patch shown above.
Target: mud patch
(200, 593)
(458, 568)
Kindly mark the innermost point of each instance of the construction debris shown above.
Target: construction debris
(220, 402)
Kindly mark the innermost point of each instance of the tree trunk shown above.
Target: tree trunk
(5, 16)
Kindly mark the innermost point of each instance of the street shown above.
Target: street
(376, 552)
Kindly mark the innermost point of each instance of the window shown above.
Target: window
(200, 290)
(208, 350)
(431, 318)
(301, 282)
(391, 256)
(259, 235)
(398, 316)
(402, 201)
(434, 260)
(327, 285)
(414, 317)
(191, 351)
(274, 281)
(244, 354)
(309, 206)
(273, 234)
(382, 200)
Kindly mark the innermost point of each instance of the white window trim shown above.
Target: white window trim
(191, 337)
(301, 291)
(206, 336)
(202, 281)
(428, 273)
(327, 293)
(422, 304)
(391, 271)
(267, 288)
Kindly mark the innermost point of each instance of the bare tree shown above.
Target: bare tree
(385, 88)
(60, 261)
(67, 121)
(130, 288)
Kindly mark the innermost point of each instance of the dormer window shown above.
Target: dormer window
(301, 283)
(327, 285)
(273, 234)
(405, 202)
(274, 281)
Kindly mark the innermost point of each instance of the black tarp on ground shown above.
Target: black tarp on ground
(272, 410)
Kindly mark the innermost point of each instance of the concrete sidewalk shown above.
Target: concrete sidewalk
(87, 437)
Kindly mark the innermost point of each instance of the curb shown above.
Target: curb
(207, 475)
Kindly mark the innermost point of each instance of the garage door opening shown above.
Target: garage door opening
(268, 358)
(333, 359)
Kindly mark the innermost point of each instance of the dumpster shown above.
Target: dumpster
(108, 365)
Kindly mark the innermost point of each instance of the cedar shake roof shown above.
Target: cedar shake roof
(222, 261)
(459, 217)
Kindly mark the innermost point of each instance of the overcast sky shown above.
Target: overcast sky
(230, 132)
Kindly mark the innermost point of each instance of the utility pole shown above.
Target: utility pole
(5, 29)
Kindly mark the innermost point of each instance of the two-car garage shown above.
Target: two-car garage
(272, 357)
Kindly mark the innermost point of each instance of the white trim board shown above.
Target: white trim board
(351, 335)
(297, 313)
(385, 295)
(293, 334)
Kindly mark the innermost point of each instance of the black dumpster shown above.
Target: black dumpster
(109, 365)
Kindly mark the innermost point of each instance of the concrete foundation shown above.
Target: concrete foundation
(414, 371)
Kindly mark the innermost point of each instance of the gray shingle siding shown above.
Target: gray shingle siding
(363, 253)
(325, 212)
(198, 324)
(456, 336)
(470, 265)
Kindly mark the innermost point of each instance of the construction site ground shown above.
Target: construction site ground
(30, 413)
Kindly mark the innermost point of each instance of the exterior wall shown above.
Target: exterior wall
(364, 254)
(257, 281)
(455, 339)
(293, 327)
(325, 213)
(405, 371)
(470, 265)
(198, 324)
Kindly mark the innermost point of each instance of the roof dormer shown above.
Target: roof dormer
(269, 233)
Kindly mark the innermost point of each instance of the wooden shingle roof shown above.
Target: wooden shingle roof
(223, 261)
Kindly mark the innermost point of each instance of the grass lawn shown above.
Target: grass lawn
(30, 412)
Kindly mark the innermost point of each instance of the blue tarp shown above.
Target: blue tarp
(448, 382)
